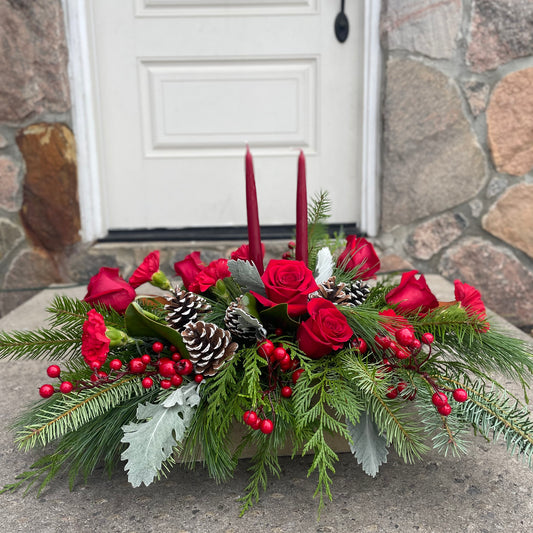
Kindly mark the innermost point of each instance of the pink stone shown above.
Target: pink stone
(510, 123)
(9, 185)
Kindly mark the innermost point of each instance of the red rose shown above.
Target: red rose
(243, 252)
(359, 254)
(94, 342)
(326, 330)
(287, 282)
(412, 295)
(145, 271)
(209, 276)
(109, 289)
(189, 268)
(470, 299)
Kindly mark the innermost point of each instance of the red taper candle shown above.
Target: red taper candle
(301, 212)
(252, 213)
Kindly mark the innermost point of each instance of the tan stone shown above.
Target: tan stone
(511, 218)
(9, 185)
(50, 209)
(510, 123)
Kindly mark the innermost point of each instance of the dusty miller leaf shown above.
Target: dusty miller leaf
(247, 321)
(369, 447)
(247, 276)
(151, 442)
(324, 265)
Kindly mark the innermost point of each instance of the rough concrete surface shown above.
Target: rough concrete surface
(485, 491)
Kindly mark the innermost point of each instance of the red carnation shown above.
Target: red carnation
(470, 299)
(145, 271)
(243, 252)
(109, 289)
(189, 268)
(209, 276)
(94, 342)
(359, 254)
(412, 295)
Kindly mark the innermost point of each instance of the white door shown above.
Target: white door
(184, 84)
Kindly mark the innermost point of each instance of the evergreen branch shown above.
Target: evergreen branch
(64, 413)
(318, 212)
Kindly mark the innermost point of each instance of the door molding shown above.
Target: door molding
(85, 117)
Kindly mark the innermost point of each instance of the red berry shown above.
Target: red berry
(445, 409)
(66, 387)
(392, 392)
(383, 341)
(167, 368)
(176, 380)
(115, 364)
(147, 382)
(95, 365)
(250, 417)
(279, 353)
(198, 378)
(146, 359)
(176, 356)
(360, 345)
(265, 348)
(46, 390)
(256, 424)
(172, 348)
(53, 371)
(266, 426)
(158, 347)
(439, 399)
(292, 245)
(165, 383)
(401, 353)
(286, 391)
(427, 338)
(460, 395)
(296, 375)
(286, 363)
(98, 376)
(405, 336)
(137, 366)
(278, 332)
(401, 387)
(387, 365)
(184, 367)
(416, 345)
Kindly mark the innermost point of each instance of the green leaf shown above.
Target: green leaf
(152, 442)
(139, 323)
(279, 316)
(247, 276)
(369, 446)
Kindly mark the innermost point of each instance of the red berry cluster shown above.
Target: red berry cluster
(406, 351)
(168, 370)
(289, 254)
(279, 363)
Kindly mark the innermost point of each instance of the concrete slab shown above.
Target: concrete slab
(485, 491)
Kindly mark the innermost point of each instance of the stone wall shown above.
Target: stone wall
(457, 147)
(39, 213)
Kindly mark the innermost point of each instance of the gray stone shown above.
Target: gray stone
(428, 27)
(476, 207)
(9, 183)
(432, 236)
(476, 93)
(506, 284)
(501, 30)
(496, 186)
(3, 141)
(10, 236)
(33, 59)
(432, 161)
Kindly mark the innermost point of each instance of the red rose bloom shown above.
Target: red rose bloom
(94, 342)
(287, 282)
(360, 254)
(412, 295)
(189, 268)
(145, 271)
(243, 252)
(470, 299)
(109, 289)
(324, 331)
(209, 276)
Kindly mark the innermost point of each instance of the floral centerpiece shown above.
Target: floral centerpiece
(308, 346)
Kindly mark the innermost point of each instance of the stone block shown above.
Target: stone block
(10, 236)
(9, 183)
(506, 285)
(428, 27)
(476, 93)
(432, 161)
(50, 209)
(511, 218)
(510, 123)
(33, 59)
(500, 31)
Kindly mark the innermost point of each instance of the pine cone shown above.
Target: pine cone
(241, 324)
(329, 290)
(358, 292)
(209, 346)
(183, 308)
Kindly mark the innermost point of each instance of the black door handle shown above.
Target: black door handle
(342, 27)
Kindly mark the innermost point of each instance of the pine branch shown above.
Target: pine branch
(318, 213)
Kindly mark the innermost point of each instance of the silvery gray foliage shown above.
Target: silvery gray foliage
(152, 441)
(247, 321)
(245, 273)
(324, 265)
(369, 446)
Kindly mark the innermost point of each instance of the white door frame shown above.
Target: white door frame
(86, 119)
